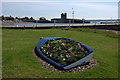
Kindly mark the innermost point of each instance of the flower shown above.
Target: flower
(48, 44)
(53, 47)
(72, 53)
(50, 49)
(65, 51)
(59, 48)
(46, 52)
(82, 49)
(60, 40)
(76, 55)
(70, 48)
(79, 45)
(86, 51)
(50, 55)
(69, 56)
(63, 59)
(63, 44)
(61, 55)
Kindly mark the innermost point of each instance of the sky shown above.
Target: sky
(88, 9)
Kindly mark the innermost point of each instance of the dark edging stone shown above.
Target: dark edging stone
(93, 63)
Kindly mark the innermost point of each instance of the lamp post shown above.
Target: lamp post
(95, 22)
(16, 23)
(111, 21)
(106, 22)
(116, 23)
(54, 23)
(36, 23)
(118, 12)
(69, 22)
(73, 16)
(83, 21)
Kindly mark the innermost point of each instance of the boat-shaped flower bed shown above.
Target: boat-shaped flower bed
(64, 53)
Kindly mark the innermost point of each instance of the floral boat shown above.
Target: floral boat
(64, 53)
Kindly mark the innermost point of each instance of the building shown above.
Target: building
(64, 19)
(7, 18)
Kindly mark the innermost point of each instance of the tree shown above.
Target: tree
(3, 18)
(26, 18)
(16, 17)
(31, 18)
(42, 18)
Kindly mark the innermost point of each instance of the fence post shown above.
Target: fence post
(54, 23)
(95, 26)
(83, 22)
(24, 27)
(69, 22)
(36, 23)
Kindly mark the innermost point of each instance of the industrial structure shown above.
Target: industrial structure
(64, 19)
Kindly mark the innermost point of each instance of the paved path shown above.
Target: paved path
(58, 25)
(117, 32)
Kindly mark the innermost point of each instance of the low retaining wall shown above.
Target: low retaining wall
(107, 27)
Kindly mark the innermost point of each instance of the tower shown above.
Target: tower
(63, 17)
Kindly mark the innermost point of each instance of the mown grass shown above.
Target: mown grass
(18, 60)
(0, 53)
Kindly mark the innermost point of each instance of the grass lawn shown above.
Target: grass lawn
(0, 53)
(18, 60)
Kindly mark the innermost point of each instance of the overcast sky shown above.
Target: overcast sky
(89, 9)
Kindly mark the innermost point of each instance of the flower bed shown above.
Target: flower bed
(64, 52)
